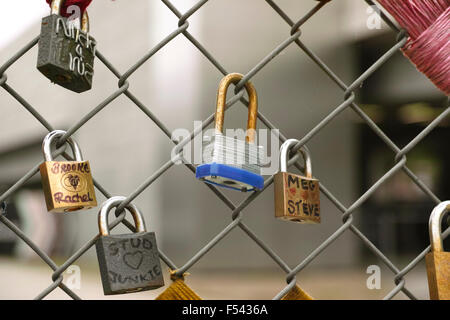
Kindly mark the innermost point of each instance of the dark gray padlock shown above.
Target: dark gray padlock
(66, 55)
(128, 262)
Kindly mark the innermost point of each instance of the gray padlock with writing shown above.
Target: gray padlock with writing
(128, 262)
(66, 55)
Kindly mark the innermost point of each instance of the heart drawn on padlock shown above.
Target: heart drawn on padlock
(293, 191)
(73, 182)
(134, 259)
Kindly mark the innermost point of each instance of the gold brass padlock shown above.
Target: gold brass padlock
(67, 185)
(297, 198)
(297, 293)
(438, 261)
(178, 290)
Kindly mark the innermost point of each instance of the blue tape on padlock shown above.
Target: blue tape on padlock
(251, 180)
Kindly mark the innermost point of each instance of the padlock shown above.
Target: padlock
(68, 185)
(297, 293)
(178, 289)
(66, 56)
(297, 198)
(230, 162)
(438, 261)
(128, 262)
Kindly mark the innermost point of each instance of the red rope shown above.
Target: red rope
(428, 25)
(415, 15)
(430, 52)
(82, 4)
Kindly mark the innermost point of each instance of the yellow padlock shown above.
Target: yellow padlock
(68, 185)
(438, 261)
(178, 290)
(297, 293)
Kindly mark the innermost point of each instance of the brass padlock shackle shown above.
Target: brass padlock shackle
(284, 156)
(47, 143)
(114, 202)
(56, 9)
(434, 226)
(252, 105)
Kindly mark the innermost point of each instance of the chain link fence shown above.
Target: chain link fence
(237, 210)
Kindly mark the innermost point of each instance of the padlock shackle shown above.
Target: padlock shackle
(114, 202)
(56, 9)
(85, 25)
(434, 226)
(252, 105)
(47, 143)
(284, 157)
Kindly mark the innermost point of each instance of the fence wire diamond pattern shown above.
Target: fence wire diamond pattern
(295, 32)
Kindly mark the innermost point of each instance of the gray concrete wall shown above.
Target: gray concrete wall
(179, 86)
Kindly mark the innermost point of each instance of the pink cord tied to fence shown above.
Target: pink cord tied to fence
(428, 25)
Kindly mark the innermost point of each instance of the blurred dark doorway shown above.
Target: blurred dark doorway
(26, 207)
(402, 102)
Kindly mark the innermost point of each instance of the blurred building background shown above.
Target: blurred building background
(178, 84)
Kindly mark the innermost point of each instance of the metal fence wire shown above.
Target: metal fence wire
(295, 31)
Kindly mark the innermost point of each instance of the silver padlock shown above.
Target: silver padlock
(230, 162)
(128, 262)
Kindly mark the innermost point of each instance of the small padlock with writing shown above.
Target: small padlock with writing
(66, 56)
(297, 198)
(230, 162)
(438, 261)
(68, 185)
(128, 262)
